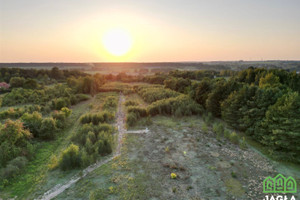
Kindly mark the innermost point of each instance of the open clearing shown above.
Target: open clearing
(206, 168)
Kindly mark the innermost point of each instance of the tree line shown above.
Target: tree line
(265, 104)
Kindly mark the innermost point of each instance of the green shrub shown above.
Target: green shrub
(46, 109)
(13, 167)
(102, 117)
(58, 94)
(20, 162)
(89, 146)
(215, 127)
(140, 112)
(208, 118)
(103, 128)
(17, 82)
(131, 103)
(92, 137)
(12, 113)
(227, 133)
(131, 119)
(86, 159)
(14, 141)
(67, 111)
(204, 128)
(104, 146)
(169, 106)
(234, 138)
(151, 94)
(61, 102)
(177, 84)
(33, 122)
(243, 143)
(60, 118)
(9, 171)
(48, 128)
(218, 128)
(70, 158)
(110, 103)
(234, 175)
(94, 140)
(80, 136)
(31, 84)
(82, 97)
(53, 162)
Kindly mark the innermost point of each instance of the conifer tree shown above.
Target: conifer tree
(281, 127)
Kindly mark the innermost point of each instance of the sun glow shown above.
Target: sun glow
(117, 42)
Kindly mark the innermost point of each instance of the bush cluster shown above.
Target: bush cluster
(92, 141)
(151, 94)
(49, 98)
(93, 138)
(96, 118)
(134, 113)
(45, 128)
(218, 128)
(59, 103)
(60, 116)
(131, 119)
(110, 103)
(131, 103)
(13, 167)
(139, 111)
(14, 113)
(178, 106)
(178, 84)
(14, 141)
(44, 75)
(70, 158)
(29, 83)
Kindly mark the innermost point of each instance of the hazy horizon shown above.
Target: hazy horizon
(187, 61)
(156, 31)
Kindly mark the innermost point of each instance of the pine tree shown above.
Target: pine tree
(281, 127)
(201, 92)
(257, 108)
(220, 92)
(236, 105)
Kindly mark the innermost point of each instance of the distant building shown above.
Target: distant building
(4, 85)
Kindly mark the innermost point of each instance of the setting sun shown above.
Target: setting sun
(117, 41)
(196, 99)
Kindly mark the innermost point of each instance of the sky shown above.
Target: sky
(160, 30)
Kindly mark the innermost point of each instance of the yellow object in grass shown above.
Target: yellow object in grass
(167, 149)
(173, 175)
(111, 189)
